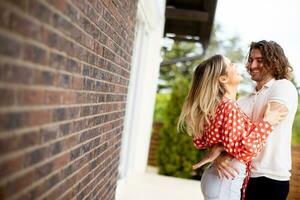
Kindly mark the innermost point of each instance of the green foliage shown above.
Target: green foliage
(296, 126)
(162, 100)
(230, 47)
(176, 153)
(170, 72)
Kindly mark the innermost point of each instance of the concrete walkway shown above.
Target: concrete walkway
(150, 186)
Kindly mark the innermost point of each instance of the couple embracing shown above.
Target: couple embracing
(249, 139)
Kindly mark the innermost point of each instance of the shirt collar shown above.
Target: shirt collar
(267, 85)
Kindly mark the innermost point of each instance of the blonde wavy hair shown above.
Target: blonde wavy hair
(204, 95)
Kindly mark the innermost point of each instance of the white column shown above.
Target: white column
(142, 89)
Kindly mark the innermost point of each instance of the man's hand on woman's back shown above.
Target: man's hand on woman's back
(224, 167)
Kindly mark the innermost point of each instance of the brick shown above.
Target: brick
(64, 25)
(40, 11)
(71, 12)
(64, 80)
(64, 129)
(72, 66)
(65, 70)
(78, 96)
(10, 47)
(80, 53)
(57, 61)
(11, 165)
(8, 97)
(70, 97)
(51, 39)
(44, 186)
(82, 5)
(11, 121)
(53, 97)
(35, 54)
(68, 195)
(61, 161)
(24, 27)
(73, 112)
(67, 46)
(56, 148)
(22, 5)
(4, 16)
(49, 133)
(44, 170)
(86, 70)
(47, 78)
(59, 114)
(20, 183)
(36, 156)
(77, 84)
(31, 97)
(92, 58)
(39, 117)
(70, 142)
(88, 84)
(54, 180)
(19, 142)
(58, 4)
(67, 184)
(59, 190)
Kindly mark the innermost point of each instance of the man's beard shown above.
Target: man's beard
(258, 77)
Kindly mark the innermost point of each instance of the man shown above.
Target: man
(270, 69)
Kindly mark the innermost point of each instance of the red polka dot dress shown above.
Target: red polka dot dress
(241, 138)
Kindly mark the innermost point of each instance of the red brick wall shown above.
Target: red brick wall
(154, 143)
(64, 73)
(294, 193)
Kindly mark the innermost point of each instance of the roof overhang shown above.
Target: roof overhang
(190, 20)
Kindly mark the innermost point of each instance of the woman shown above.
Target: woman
(211, 115)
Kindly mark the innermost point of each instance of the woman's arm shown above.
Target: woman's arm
(243, 139)
(224, 166)
(200, 142)
(213, 153)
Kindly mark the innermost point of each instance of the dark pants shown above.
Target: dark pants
(263, 188)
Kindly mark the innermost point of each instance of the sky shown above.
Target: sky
(254, 20)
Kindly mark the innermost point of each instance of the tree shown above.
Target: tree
(168, 73)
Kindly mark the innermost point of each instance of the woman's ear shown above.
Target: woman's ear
(223, 79)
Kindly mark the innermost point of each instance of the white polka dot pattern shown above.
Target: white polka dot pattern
(240, 137)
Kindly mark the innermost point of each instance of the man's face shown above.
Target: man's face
(255, 66)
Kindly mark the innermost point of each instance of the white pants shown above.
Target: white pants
(214, 188)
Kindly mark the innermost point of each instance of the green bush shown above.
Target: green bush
(296, 126)
(176, 153)
(162, 100)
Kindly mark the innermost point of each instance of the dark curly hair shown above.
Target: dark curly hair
(274, 59)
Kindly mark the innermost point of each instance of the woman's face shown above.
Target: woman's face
(233, 76)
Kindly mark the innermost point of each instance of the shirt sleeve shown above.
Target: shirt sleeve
(284, 92)
(211, 135)
(242, 138)
(200, 142)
